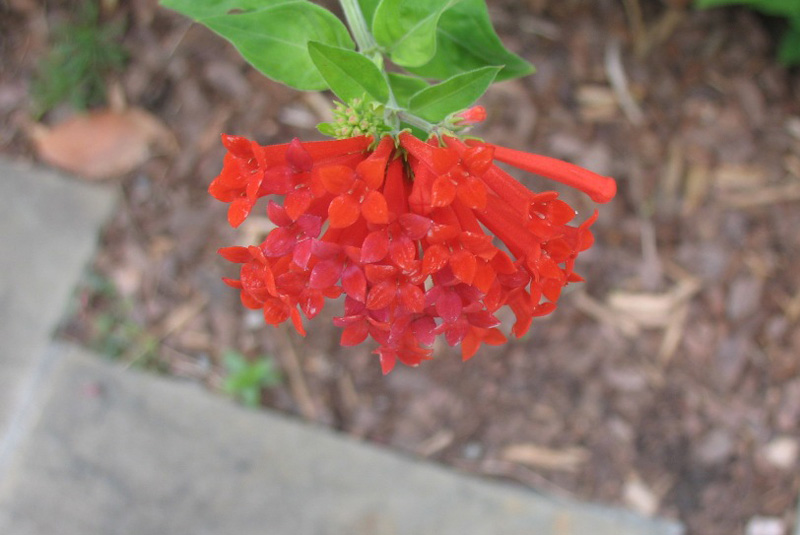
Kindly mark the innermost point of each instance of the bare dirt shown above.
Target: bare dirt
(669, 382)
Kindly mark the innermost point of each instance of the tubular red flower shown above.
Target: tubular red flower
(415, 237)
(599, 188)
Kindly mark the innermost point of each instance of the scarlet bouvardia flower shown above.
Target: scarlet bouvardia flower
(423, 238)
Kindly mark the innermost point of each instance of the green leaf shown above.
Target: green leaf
(456, 93)
(466, 40)
(349, 74)
(407, 29)
(771, 7)
(272, 35)
(404, 87)
(789, 51)
(368, 9)
(327, 129)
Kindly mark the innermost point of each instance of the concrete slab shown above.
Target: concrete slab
(127, 453)
(48, 229)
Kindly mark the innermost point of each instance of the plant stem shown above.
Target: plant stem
(413, 120)
(358, 25)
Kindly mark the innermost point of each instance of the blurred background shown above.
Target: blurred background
(669, 382)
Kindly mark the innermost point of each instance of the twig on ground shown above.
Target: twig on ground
(294, 371)
(619, 83)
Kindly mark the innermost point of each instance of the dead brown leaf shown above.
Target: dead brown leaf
(103, 144)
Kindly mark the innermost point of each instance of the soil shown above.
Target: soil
(668, 383)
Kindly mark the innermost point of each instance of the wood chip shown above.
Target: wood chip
(781, 453)
(639, 496)
(597, 103)
(567, 459)
(738, 177)
(763, 196)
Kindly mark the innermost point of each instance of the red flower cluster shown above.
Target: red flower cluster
(407, 234)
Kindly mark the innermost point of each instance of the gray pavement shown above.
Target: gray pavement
(48, 231)
(89, 448)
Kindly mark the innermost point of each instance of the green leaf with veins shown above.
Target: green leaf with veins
(404, 87)
(406, 29)
(349, 74)
(466, 40)
(454, 94)
(272, 35)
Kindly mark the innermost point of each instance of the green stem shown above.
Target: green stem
(365, 41)
(413, 120)
(358, 25)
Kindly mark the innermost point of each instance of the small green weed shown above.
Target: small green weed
(111, 329)
(789, 49)
(245, 379)
(83, 53)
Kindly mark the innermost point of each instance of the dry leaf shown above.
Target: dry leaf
(102, 144)
(568, 459)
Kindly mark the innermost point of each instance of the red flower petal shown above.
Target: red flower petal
(279, 242)
(237, 145)
(336, 178)
(388, 360)
(301, 254)
(424, 330)
(449, 306)
(377, 273)
(463, 264)
(443, 192)
(343, 211)
(325, 274)
(297, 321)
(478, 159)
(238, 211)
(412, 297)
(275, 312)
(375, 246)
(354, 334)
(440, 233)
(238, 255)
(403, 253)
(415, 225)
(472, 192)
(354, 283)
(470, 344)
(250, 302)
(373, 169)
(381, 295)
(375, 209)
(485, 275)
(277, 214)
(434, 258)
(311, 303)
(233, 283)
(298, 157)
(297, 202)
